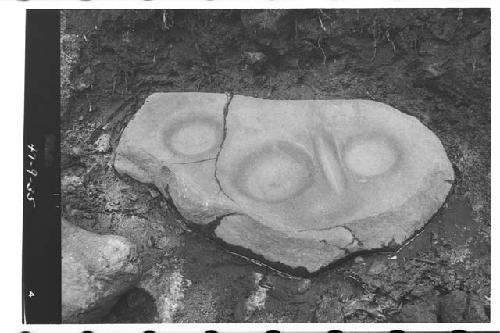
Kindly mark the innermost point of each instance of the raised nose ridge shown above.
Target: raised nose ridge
(329, 161)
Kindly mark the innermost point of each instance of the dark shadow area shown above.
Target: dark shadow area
(136, 306)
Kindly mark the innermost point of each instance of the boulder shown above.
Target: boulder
(96, 270)
(301, 183)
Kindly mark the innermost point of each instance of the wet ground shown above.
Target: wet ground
(433, 64)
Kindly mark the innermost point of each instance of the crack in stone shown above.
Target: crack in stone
(214, 224)
(354, 238)
(251, 255)
(194, 162)
(225, 111)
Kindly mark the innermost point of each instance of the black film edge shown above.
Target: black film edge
(41, 276)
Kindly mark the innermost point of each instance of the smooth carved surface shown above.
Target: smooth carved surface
(193, 138)
(275, 173)
(317, 175)
(330, 165)
(370, 158)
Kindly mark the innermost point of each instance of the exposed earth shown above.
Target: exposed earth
(431, 64)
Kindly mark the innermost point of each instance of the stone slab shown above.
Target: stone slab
(321, 178)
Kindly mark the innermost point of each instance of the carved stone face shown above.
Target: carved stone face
(301, 183)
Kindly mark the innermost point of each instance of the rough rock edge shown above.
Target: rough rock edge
(359, 243)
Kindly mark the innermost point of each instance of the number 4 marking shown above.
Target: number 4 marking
(31, 294)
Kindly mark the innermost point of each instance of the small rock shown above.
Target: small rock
(70, 183)
(434, 238)
(102, 144)
(151, 241)
(304, 286)
(376, 283)
(96, 270)
(162, 243)
(74, 212)
(167, 285)
(435, 70)
(254, 57)
(358, 260)
(141, 208)
(377, 267)
(76, 151)
(154, 193)
(81, 85)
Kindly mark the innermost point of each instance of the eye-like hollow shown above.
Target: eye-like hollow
(276, 172)
(190, 138)
(370, 157)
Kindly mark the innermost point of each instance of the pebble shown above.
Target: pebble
(102, 144)
(74, 212)
(162, 242)
(359, 260)
(254, 57)
(434, 238)
(76, 151)
(377, 267)
(141, 208)
(154, 193)
(304, 286)
(70, 183)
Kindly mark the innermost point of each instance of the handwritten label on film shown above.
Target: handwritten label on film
(32, 174)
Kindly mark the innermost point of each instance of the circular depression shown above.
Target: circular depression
(276, 172)
(192, 137)
(370, 157)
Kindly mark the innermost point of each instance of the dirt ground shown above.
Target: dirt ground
(432, 64)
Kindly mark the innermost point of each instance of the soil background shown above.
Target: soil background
(433, 64)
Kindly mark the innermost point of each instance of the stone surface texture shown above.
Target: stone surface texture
(96, 270)
(302, 183)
